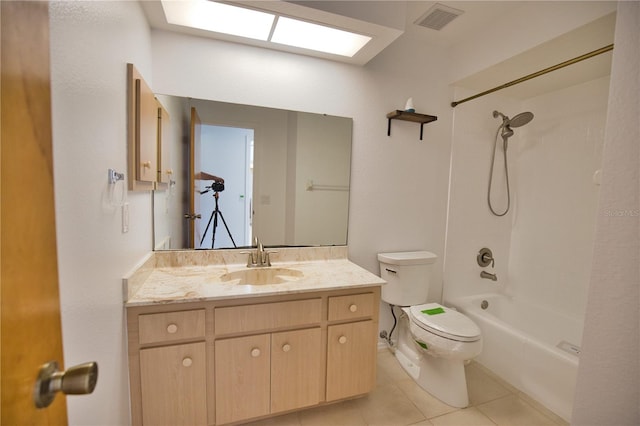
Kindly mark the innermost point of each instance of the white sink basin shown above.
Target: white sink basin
(262, 276)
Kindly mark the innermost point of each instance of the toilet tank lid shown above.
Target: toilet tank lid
(408, 258)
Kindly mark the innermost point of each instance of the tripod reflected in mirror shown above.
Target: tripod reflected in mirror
(216, 187)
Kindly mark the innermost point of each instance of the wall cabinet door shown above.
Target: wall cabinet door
(351, 358)
(142, 129)
(296, 373)
(242, 377)
(173, 381)
(164, 148)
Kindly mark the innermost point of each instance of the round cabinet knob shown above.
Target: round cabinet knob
(146, 164)
(342, 339)
(172, 328)
(187, 362)
(353, 307)
(170, 172)
(286, 347)
(255, 352)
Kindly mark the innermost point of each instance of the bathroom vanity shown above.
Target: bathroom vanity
(209, 346)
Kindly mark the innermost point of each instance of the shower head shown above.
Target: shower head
(520, 119)
(517, 121)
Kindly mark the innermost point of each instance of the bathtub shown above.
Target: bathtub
(534, 349)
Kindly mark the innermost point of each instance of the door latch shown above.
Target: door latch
(78, 380)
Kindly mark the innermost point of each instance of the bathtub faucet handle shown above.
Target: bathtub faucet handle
(485, 258)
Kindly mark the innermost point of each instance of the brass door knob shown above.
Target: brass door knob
(78, 380)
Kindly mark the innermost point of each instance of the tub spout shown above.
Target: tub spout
(489, 276)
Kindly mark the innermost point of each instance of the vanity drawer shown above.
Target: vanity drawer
(351, 307)
(266, 316)
(169, 326)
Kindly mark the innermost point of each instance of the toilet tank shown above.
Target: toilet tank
(407, 275)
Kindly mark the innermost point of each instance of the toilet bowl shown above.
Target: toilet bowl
(434, 341)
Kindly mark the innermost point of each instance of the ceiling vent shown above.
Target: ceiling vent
(438, 16)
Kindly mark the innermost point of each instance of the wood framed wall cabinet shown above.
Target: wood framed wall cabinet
(142, 132)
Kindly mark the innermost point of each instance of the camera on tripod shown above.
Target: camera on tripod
(217, 186)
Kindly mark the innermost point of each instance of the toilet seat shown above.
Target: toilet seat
(444, 322)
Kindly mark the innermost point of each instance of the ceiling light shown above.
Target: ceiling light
(220, 18)
(306, 35)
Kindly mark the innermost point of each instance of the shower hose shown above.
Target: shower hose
(506, 172)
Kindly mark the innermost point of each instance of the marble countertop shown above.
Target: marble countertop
(158, 281)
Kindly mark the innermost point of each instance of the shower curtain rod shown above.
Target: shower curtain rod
(537, 74)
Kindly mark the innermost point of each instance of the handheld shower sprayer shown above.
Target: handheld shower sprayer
(505, 130)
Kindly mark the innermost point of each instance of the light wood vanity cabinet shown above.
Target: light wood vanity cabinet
(172, 376)
(351, 347)
(267, 374)
(229, 361)
(173, 382)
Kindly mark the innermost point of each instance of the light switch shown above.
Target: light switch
(125, 218)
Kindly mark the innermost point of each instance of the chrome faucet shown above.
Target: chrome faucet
(488, 275)
(259, 257)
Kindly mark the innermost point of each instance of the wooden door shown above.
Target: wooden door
(351, 359)
(174, 385)
(194, 170)
(242, 377)
(30, 316)
(296, 370)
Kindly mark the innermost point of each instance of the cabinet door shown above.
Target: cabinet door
(242, 376)
(351, 359)
(164, 147)
(174, 389)
(295, 369)
(147, 133)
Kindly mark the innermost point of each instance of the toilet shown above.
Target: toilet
(434, 341)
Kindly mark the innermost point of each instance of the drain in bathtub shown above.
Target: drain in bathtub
(484, 304)
(570, 348)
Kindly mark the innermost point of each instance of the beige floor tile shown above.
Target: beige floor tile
(389, 366)
(467, 417)
(344, 413)
(513, 411)
(388, 406)
(483, 387)
(428, 404)
(422, 423)
(535, 404)
(290, 419)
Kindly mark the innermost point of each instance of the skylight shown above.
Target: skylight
(259, 25)
(219, 18)
(306, 35)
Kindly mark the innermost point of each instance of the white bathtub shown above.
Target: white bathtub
(521, 345)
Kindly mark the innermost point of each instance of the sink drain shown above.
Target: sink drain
(484, 304)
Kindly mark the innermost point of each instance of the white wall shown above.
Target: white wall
(608, 387)
(553, 231)
(524, 27)
(323, 156)
(91, 42)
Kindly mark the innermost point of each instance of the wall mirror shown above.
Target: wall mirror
(285, 177)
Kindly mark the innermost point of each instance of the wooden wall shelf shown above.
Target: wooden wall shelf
(409, 116)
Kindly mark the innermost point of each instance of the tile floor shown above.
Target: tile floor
(398, 401)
